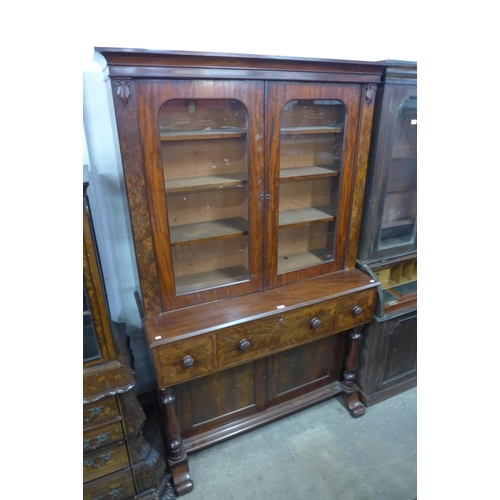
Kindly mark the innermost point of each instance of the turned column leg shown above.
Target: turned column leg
(351, 394)
(176, 454)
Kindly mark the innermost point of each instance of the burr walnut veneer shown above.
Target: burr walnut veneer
(245, 178)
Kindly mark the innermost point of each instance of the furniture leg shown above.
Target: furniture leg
(176, 454)
(351, 394)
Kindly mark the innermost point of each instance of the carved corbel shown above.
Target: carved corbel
(122, 90)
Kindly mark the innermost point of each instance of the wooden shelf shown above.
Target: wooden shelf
(224, 181)
(301, 260)
(301, 173)
(305, 216)
(210, 279)
(194, 135)
(211, 230)
(335, 129)
(398, 223)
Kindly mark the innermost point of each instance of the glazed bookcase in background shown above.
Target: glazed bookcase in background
(388, 239)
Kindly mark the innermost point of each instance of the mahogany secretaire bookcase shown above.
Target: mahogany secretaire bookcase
(388, 239)
(245, 179)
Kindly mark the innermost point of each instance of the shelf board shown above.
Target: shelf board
(398, 223)
(223, 181)
(210, 279)
(194, 135)
(301, 260)
(300, 173)
(335, 129)
(305, 216)
(210, 230)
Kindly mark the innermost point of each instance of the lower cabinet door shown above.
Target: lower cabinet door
(116, 486)
(301, 370)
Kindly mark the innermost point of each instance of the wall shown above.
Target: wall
(332, 30)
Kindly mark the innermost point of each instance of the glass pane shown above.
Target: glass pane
(90, 344)
(400, 205)
(204, 147)
(311, 145)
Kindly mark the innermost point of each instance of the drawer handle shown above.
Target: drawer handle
(91, 462)
(188, 361)
(93, 412)
(100, 439)
(357, 310)
(315, 322)
(244, 344)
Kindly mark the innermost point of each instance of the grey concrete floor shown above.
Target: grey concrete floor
(319, 453)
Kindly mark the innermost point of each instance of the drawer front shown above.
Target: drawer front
(174, 360)
(102, 411)
(101, 462)
(116, 486)
(101, 436)
(262, 337)
(356, 309)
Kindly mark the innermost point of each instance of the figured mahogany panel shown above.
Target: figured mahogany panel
(303, 365)
(125, 100)
(367, 110)
(222, 393)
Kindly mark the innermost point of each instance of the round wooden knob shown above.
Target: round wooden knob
(357, 310)
(244, 344)
(315, 322)
(187, 361)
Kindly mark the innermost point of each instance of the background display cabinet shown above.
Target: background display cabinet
(388, 239)
(118, 462)
(245, 178)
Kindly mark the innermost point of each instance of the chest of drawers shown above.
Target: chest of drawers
(118, 463)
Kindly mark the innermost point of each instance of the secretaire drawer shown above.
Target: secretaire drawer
(356, 309)
(101, 411)
(185, 359)
(262, 337)
(101, 436)
(117, 486)
(98, 463)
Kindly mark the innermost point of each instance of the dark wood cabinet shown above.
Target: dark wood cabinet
(245, 178)
(388, 239)
(118, 462)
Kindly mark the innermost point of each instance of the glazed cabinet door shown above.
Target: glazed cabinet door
(390, 209)
(398, 222)
(310, 152)
(204, 161)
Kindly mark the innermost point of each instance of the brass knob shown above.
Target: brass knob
(244, 344)
(357, 310)
(188, 361)
(315, 322)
